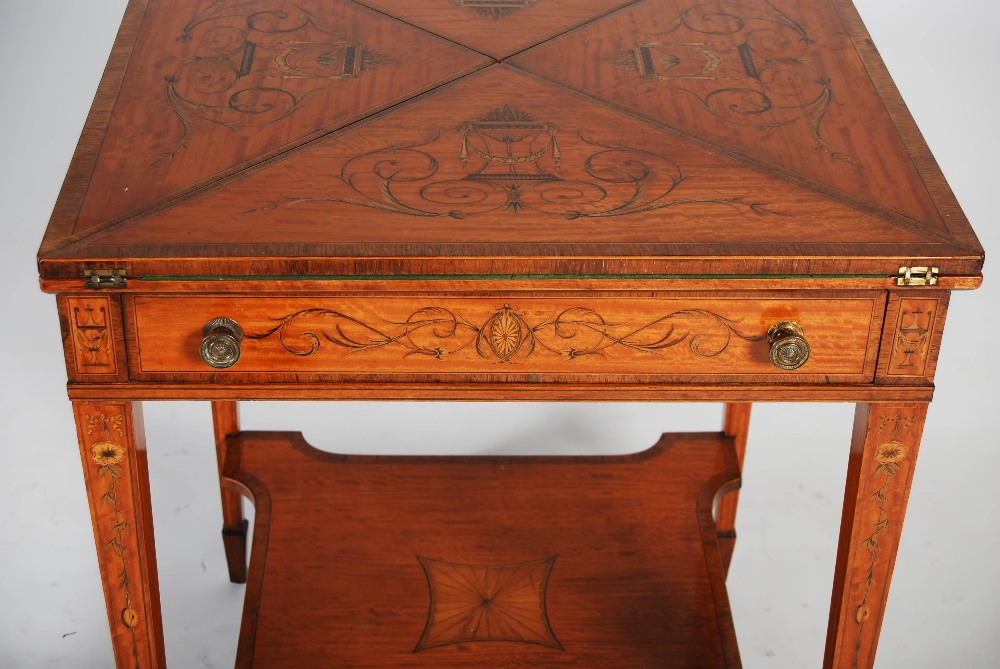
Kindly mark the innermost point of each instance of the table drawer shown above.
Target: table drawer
(511, 338)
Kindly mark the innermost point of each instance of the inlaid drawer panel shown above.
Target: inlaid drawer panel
(507, 338)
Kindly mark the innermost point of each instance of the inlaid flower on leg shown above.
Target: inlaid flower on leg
(888, 456)
(108, 453)
(890, 453)
(109, 457)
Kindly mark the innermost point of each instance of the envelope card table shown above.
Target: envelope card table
(496, 200)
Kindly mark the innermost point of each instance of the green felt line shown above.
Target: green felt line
(481, 277)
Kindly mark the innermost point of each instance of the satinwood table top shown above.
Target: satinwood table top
(556, 137)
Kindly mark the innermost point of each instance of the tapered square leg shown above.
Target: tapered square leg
(736, 425)
(226, 420)
(113, 451)
(883, 454)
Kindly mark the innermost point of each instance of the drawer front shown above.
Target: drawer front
(515, 338)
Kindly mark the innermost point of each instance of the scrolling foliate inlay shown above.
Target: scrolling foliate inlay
(487, 603)
(745, 65)
(256, 63)
(495, 9)
(512, 163)
(506, 335)
(109, 455)
(888, 456)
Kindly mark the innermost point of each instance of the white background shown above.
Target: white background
(943, 608)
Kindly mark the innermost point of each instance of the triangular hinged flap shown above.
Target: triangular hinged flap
(496, 27)
(501, 163)
(212, 86)
(778, 80)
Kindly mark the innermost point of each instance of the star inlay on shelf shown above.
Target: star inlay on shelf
(487, 603)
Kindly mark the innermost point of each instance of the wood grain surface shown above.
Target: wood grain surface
(501, 162)
(497, 28)
(736, 424)
(497, 200)
(226, 422)
(911, 338)
(915, 330)
(93, 337)
(884, 450)
(485, 562)
(785, 87)
(559, 339)
(279, 139)
(612, 388)
(212, 87)
(113, 454)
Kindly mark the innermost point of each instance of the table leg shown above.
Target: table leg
(883, 454)
(226, 420)
(113, 449)
(736, 425)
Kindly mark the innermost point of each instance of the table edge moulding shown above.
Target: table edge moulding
(498, 200)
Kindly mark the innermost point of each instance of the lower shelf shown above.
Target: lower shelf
(484, 562)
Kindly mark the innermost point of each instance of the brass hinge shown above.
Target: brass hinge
(104, 278)
(917, 276)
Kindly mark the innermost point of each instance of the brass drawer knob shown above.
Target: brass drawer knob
(789, 349)
(220, 347)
